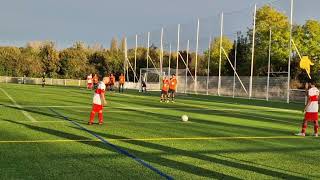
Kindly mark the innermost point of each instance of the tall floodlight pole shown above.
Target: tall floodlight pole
(196, 64)
(208, 68)
(148, 48)
(170, 51)
(124, 62)
(178, 44)
(252, 53)
(235, 64)
(220, 54)
(187, 67)
(135, 58)
(269, 64)
(161, 51)
(126, 56)
(290, 52)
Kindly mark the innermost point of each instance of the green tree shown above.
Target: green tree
(50, 59)
(74, 62)
(114, 44)
(215, 54)
(307, 40)
(269, 18)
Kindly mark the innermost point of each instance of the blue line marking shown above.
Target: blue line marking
(121, 151)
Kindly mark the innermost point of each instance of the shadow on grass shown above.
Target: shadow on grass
(172, 150)
(227, 100)
(157, 160)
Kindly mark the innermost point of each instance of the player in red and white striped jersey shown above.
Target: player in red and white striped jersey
(99, 101)
(311, 111)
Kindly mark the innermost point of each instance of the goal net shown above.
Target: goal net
(153, 77)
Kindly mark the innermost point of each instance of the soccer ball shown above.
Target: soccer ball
(184, 118)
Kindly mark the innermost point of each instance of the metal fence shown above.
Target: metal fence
(205, 85)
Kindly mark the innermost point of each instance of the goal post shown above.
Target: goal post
(154, 77)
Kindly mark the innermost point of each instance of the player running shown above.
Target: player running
(99, 101)
(122, 80)
(164, 90)
(311, 111)
(89, 82)
(173, 87)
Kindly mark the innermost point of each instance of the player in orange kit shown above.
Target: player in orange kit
(112, 81)
(122, 80)
(164, 90)
(173, 87)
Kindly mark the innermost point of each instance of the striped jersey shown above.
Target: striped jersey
(313, 94)
(101, 89)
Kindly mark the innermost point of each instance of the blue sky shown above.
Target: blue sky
(97, 21)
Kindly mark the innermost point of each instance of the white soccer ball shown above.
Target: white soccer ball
(184, 118)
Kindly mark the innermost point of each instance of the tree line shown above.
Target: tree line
(79, 60)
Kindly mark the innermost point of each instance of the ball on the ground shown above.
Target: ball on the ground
(184, 118)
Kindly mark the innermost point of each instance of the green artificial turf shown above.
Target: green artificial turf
(225, 138)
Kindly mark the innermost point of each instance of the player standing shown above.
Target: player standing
(122, 80)
(173, 87)
(112, 81)
(43, 80)
(99, 101)
(95, 81)
(164, 90)
(89, 81)
(311, 111)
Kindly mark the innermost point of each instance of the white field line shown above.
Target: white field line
(18, 106)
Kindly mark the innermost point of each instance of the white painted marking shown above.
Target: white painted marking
(18, 106)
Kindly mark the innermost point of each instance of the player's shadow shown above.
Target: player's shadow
(191, 154)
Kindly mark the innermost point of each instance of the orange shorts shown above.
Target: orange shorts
(97, 107)
(311, 116)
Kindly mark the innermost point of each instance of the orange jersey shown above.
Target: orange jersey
(173, 84)
(165, 85)
(112, 80)
(95, 79)
(122, 79)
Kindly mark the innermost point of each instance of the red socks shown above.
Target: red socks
(92, 116)
(100, 117)
(304, 127)
(316, 127)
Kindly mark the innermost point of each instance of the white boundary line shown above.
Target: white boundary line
(18, 106)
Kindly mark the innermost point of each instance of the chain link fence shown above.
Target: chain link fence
(205, 85)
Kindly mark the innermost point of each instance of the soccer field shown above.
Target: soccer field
(44, 135)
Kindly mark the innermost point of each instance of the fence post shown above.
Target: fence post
(65, 82)
(187, 66)
(220, 53)
(290, 52)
